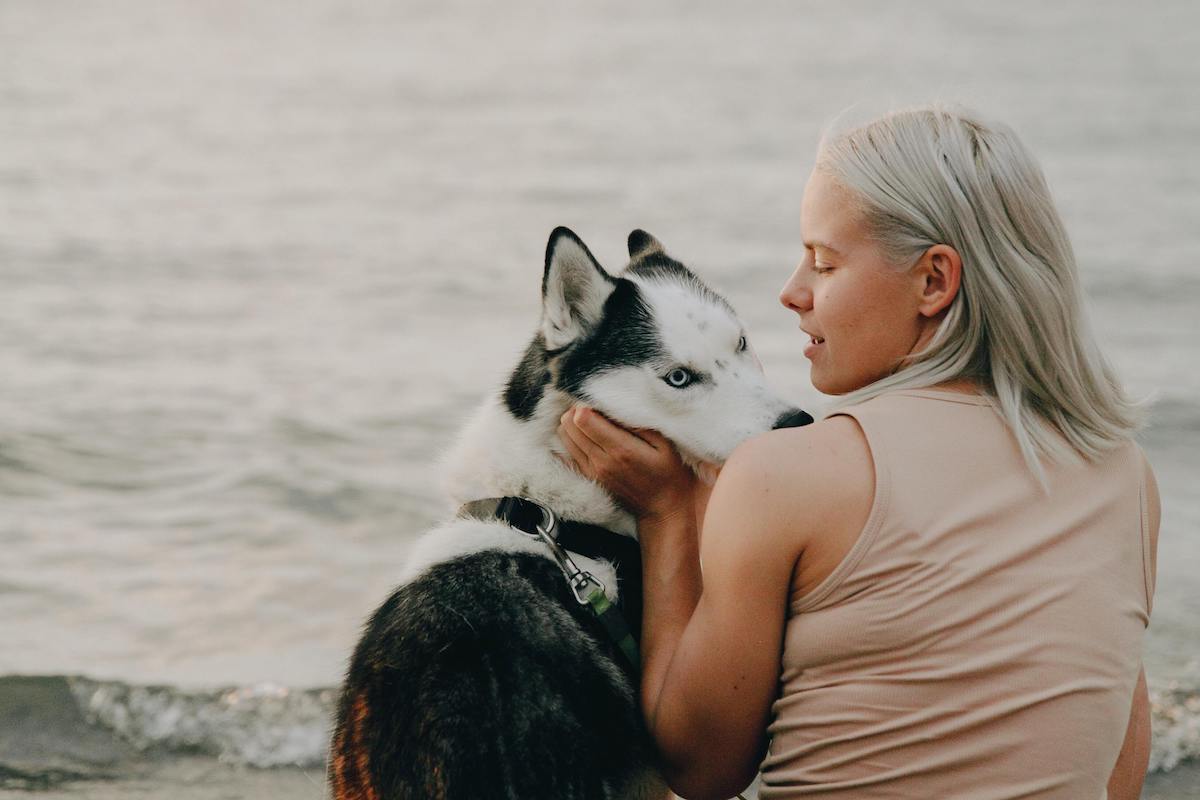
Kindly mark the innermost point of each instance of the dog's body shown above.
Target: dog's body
(482, 676)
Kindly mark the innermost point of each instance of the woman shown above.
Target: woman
(939, 590)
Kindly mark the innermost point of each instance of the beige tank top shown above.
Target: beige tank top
(981, 639)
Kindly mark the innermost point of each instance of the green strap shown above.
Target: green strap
(610, 617)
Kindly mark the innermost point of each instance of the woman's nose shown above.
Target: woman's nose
(795, 295)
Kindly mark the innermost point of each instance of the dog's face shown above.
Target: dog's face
(652, 348)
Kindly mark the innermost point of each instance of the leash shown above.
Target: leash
(534, 519)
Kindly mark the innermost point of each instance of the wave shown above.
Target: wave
(60, 728)
(262, 725)
(1175, 724)
(74, 727)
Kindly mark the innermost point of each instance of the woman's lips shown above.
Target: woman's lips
(814, 344)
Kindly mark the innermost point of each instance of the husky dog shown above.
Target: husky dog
(483, 676)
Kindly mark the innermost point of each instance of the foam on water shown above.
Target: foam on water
(1175, 722)
(264, 725)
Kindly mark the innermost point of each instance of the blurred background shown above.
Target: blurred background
(258, 261)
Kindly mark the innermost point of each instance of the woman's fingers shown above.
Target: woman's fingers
(604, 451)
(578, 446)
(608, 436)
(640, 469)
(577, 462)
(594, 439)
(654, 439)
(570, 421)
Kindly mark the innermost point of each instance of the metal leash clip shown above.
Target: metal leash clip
(583, 584)
(587, 589)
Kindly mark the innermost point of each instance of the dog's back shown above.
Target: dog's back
(484, 678)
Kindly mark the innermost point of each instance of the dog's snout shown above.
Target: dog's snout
(793, 419)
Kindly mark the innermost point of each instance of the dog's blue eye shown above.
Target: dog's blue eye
(679, 377)
(741, 344)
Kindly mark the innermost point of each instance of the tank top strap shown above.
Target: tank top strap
(1147, 548)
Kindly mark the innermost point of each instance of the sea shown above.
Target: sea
(259, 261)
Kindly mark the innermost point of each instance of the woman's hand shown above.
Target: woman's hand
(641, 468)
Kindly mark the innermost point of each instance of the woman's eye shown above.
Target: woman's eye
(679, 377)
(741, 344)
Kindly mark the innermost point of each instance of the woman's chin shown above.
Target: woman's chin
(822, 383)
(830, 385)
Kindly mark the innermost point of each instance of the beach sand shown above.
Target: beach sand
(198, 778)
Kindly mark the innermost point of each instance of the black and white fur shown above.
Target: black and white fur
(481, 677)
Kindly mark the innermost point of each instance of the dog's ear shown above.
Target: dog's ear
(574, 288)
(642, 244)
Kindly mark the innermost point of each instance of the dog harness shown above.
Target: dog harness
(560, 536)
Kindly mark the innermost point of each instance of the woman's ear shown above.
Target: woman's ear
(939, 276)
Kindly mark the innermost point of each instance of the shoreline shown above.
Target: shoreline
(202, 778)
(177, 778)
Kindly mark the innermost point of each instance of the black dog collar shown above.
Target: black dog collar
(580, 538)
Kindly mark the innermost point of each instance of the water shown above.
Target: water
(260, 260)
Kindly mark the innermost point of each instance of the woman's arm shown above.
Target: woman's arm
(713, 652)
(671, 589)
(711, 638)
(1127, 777)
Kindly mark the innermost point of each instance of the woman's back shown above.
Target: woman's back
(981, 639)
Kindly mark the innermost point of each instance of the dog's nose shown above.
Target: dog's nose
(793, 419)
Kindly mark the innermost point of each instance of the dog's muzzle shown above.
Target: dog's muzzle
(792, 419)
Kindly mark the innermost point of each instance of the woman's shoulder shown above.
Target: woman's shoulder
(821, 472)
(831, 444)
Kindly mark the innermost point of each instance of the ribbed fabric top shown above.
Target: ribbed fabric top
(981, 639)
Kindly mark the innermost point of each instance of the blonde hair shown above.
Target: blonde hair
(1018, 326)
